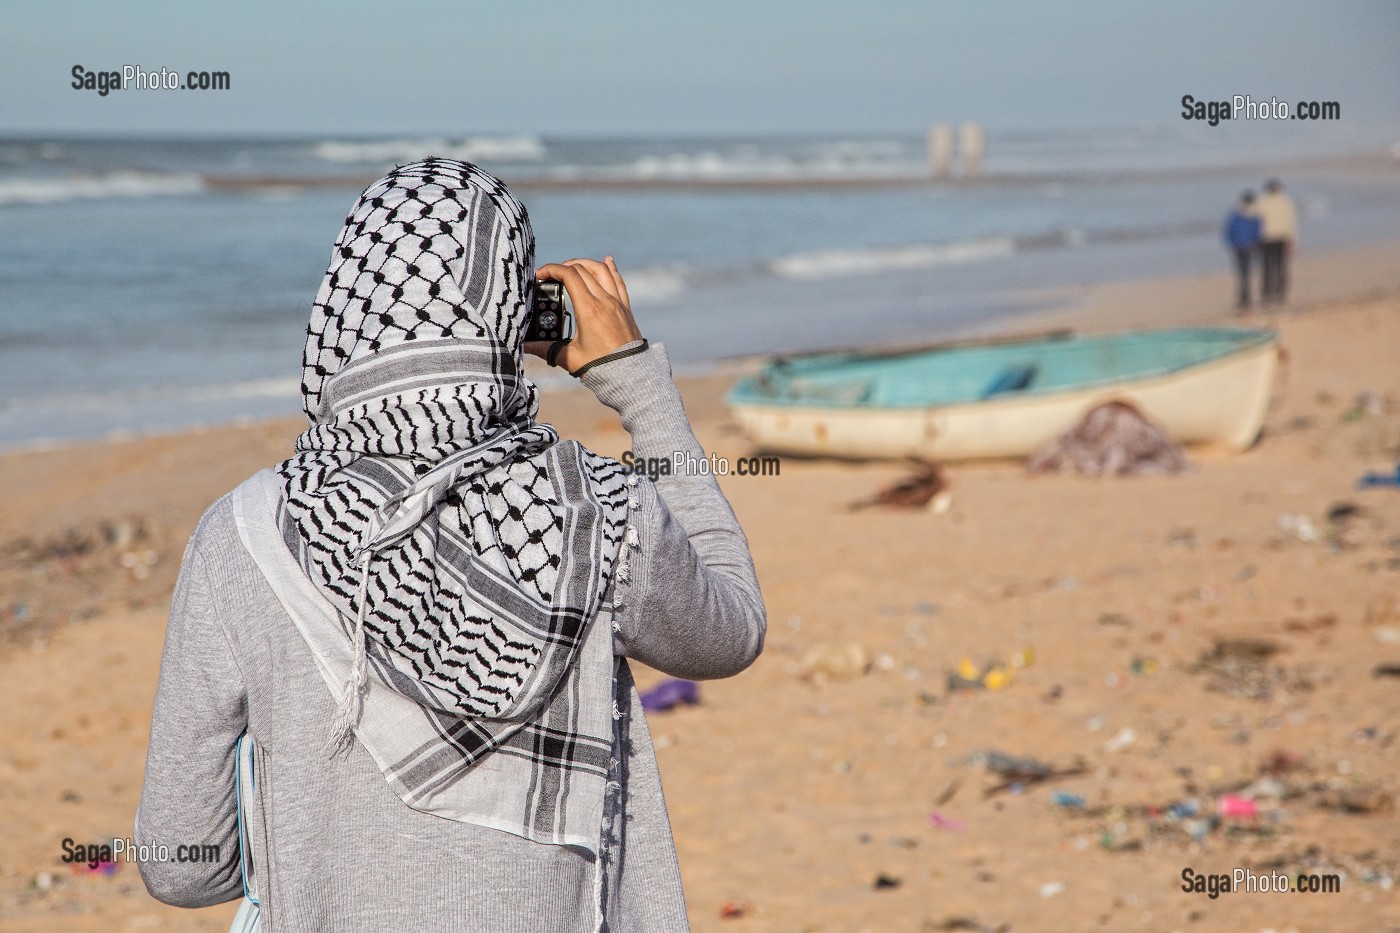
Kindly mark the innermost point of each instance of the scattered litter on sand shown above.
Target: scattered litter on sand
(120, 534)
(991, 675)
(1244, 667)
(71, 575)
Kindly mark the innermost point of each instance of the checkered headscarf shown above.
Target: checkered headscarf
(465, 547)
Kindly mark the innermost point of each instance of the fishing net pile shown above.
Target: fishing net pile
(1112, 439)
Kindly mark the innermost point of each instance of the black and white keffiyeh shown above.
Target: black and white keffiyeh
(459, 550)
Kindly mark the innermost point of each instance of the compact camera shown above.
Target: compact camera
(549, 315)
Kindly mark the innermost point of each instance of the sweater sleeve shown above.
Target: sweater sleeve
(691, 606)
(187, 798)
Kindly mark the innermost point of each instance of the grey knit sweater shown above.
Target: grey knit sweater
(333, 847)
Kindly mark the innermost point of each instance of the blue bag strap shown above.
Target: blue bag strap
(244, 740)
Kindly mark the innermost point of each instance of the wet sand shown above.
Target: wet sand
(1178, 639)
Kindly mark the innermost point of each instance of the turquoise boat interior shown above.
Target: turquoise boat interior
(959, 374)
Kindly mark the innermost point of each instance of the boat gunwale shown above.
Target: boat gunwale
(1251, 339)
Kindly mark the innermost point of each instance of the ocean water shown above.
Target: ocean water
(148, 284)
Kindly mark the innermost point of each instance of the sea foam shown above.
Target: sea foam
(472, 149)
(91, 187)
(835, 263)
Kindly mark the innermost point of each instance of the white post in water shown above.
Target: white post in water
(971, 145)
(940, 150)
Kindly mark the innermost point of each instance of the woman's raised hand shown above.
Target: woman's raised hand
(603, 319)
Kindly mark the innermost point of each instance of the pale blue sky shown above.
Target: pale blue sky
(738, 66)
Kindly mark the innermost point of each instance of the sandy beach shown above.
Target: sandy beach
(1175, 645)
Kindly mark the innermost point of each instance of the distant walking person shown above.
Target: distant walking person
(1278, 233)
(1242, 233)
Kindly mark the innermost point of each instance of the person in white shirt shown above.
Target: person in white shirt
(1278, 238)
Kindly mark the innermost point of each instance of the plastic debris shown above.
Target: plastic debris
(1236, 807)
(1112, 439)
(669, 694)
(991, 676)
(1380, 479)
(1126, 736)
(1067, 800)
(1184, 809)
(1266, 788)
(1300, 525)
(946, 822)
(733, 910)
(1199, 829)
(1051, 888)
(997, 677)
(1147, 666)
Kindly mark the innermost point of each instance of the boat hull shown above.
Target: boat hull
(1220, 402)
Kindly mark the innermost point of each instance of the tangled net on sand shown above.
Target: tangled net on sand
(1112, 439)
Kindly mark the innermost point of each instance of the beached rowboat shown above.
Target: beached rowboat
(1005, 399)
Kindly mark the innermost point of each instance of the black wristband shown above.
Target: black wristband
(554, 349)
(609, 357)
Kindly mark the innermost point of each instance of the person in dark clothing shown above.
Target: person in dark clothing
(1242, 232)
